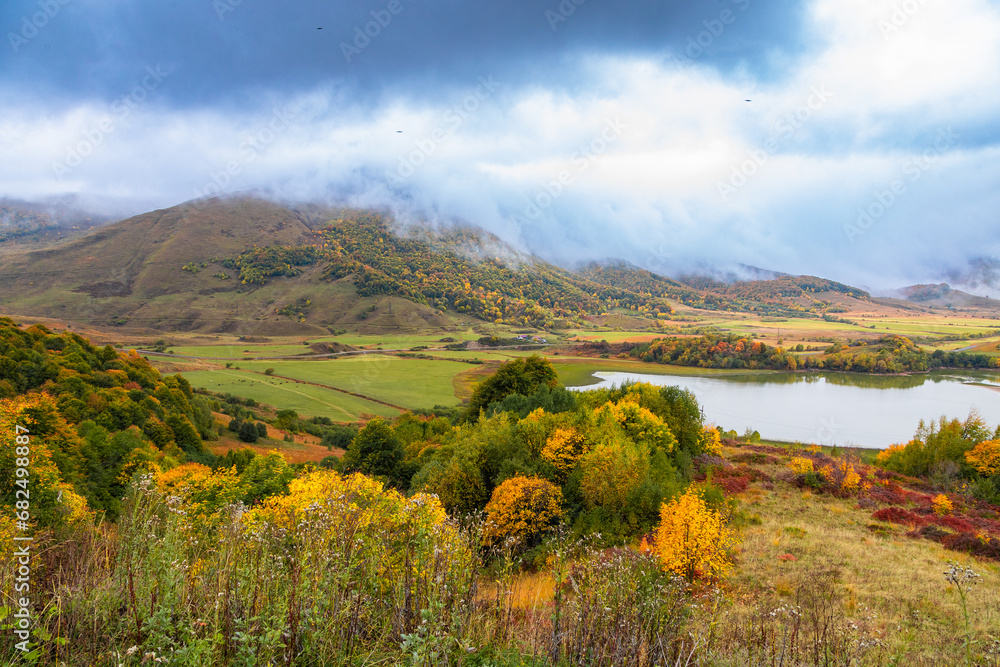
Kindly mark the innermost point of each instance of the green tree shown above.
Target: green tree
(266, 476)
(375, 451)
(248, 432)
(286, 418)
(521, 376)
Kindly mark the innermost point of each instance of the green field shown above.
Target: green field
(412, 383)
(307, 400)
(409, 383)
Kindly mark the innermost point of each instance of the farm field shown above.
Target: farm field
(409, 383)
(306, 399)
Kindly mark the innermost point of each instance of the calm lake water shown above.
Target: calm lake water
(833, 408)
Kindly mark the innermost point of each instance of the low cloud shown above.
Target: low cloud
(670, 160)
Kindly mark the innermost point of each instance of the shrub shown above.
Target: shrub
(693, 540)
(248, 432)
(971, 544)
(898, 515)
(733, 485)
(375, 451)
(942, 506)
(801, 465)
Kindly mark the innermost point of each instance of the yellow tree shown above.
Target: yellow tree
(612, 470)
(521, 508)
(563, 449)
(31, 486)
(693, 540)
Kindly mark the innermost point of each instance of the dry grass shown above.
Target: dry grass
(880, 596)
(890, 574)
(304, 448)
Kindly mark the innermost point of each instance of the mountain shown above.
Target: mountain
(943, 295)
(37, 224)
(251, 266)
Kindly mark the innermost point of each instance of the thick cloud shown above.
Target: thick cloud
(867, 152)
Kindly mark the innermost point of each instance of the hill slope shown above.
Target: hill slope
(250, 266)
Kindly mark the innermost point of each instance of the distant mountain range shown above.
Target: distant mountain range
(249, 265)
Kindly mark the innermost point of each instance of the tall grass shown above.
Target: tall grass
(363, 578)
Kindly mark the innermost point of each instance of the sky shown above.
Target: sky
(857, 140)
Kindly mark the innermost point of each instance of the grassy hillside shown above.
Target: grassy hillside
(259, 268)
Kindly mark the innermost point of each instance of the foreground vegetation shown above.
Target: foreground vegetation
(533, 526)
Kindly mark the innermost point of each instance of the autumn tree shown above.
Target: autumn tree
(563, 449)
(612, 470)
(522, 508)
(985, 458)
(693, 539)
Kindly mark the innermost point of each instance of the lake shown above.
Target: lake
(833, 408)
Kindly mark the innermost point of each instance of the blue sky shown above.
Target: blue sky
(869, 149)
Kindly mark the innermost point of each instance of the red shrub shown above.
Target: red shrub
(757, 459)
(886, 496)
(898, 515)
(733, 485)
(991, 525)
(970, 544)
(766, 449)
(957, 523)
(754, 474)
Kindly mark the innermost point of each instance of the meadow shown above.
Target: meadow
(308, 400)
(444, 377)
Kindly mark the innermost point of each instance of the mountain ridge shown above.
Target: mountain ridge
(248, 265)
